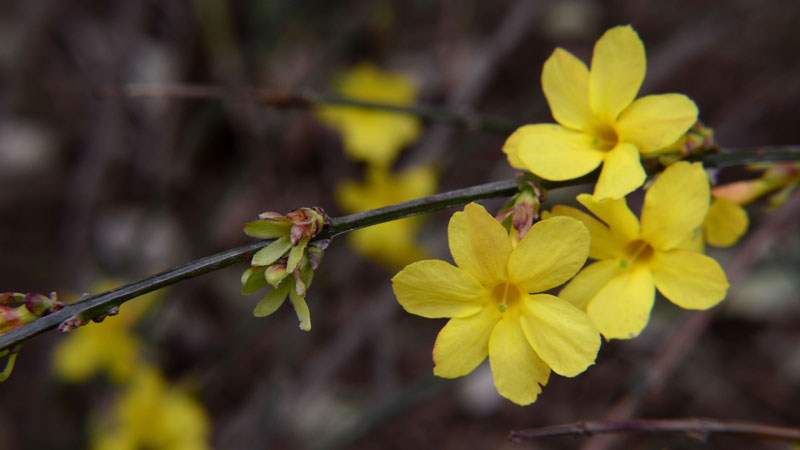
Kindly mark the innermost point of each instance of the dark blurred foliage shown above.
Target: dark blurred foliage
(94, 186)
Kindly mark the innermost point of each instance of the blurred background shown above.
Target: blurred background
(98, 189)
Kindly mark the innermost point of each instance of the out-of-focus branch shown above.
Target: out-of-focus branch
(310, 99)
(702, 428)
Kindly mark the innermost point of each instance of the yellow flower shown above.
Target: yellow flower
(599, 120)
(371, 135)
(153, 415)
(392, 244)
(494, 301)
(635, 258)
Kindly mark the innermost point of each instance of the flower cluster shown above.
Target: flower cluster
(495, 294)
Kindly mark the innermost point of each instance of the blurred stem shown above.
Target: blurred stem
(702, 428)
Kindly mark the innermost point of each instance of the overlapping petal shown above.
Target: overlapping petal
(615, 213)
(621, 308)
(622, 172)
(604, 243)
(618, 68)
(580, 290)
(561, 334)
(518, 371)
(565, 82)
(557, 153)
(656, 121)
(434, 288)
(479, 244)
(725, 223)
(550, 254)
(675, 205)
(688, 279)
(464, 343)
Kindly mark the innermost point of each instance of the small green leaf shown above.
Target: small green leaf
(273, 300)
(267, 229)
(295, 254)
(272, 252)
(301, 309)
(253, 281)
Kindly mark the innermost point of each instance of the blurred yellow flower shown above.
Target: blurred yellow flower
(371, 135)
(153, 415)
(496, 306)
(725, 223)
(392, 244)
(634, 259)
(108, 346)
(599, 120)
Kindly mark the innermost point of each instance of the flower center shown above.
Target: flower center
(605, 137)
(638, 251)
(506, 295)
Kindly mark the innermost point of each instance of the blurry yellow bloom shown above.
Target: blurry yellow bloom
(392, 244)
(371, 135)
(496, 306)
(152, 415)
(634, 259)
(599, 120)
(725, 223)
(781, 177)
(108, 346)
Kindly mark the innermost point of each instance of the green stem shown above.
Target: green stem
(99, 304)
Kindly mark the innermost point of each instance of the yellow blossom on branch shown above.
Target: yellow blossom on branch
(392, 244)
(152, 414)
(636, 258)
(369, 135)
(493, 297)
(725, 223)
(600, 121)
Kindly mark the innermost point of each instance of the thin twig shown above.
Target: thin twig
(100, 304)
(702, 428)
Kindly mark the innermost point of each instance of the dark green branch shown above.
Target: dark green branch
(99, 304)
(697, 427)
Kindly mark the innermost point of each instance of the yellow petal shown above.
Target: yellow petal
(656, 121)
(675, 205)
(464, 343)
(621, 308)
(416, 182)
(695, 242)
(433, 288)
(557, 153)
(688, 279)
(565, 82)
(604, 243)
(589, 281)
(614, 213)
(479, 244)
(550, 254)
(518, 371)
(511, 146)
(725, 223)
(622, 172)
(618, 67)
(561, 334)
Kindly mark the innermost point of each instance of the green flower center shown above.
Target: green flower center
(506, 295)
(638, 251)
(605, 137)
